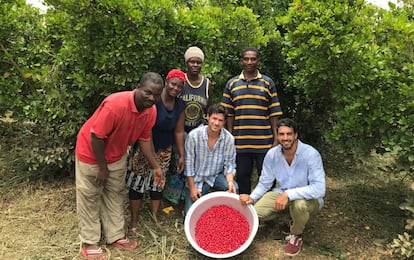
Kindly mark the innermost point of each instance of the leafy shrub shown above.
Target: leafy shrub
(403, 245)
(81, 51)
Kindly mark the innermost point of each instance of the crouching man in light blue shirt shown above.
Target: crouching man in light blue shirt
(298, 171)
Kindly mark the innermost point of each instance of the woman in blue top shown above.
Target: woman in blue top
(168, 130)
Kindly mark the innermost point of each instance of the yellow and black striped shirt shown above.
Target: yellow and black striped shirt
(252, 103)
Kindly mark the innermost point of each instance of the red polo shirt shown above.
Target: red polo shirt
(118, 121)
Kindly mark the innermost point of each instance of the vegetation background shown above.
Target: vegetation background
(343, 69)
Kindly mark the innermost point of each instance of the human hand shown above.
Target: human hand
(195, 194)
(231, 187)
(281, 202)
(245, 199)
(159, 178)
(180, 166)
(101, 176)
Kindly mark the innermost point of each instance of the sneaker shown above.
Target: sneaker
(294, 245)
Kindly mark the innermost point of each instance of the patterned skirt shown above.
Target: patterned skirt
(140, 175)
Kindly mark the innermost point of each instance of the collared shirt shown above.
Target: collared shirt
(205, 164)
(303, 179)
(118, 121)
(252, 103)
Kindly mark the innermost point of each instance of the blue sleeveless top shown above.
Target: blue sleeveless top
(163, 130)
(195, 98)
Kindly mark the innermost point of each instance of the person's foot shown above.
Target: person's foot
(92, 252)
(294, 245)
(125, 244)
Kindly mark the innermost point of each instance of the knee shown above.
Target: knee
(259, 212)
(299, 206)
(265, 215)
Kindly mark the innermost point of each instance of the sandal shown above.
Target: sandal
(125, 244)
(93, 253)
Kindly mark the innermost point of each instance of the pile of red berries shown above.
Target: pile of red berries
(221, 230)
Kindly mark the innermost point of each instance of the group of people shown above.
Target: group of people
(131, 137)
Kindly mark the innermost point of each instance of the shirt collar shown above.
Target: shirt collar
(299, 148)
(258, 76)
(131, 102)
(205, 136)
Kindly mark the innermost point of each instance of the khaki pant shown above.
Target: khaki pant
(100, 206)
(300, 210)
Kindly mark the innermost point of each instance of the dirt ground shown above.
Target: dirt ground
(361, 214)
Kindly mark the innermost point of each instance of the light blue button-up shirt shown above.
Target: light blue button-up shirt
(303, 179)
(205, 164)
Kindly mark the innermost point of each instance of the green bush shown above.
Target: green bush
(342, 69)
(81, 51)
(403, 245)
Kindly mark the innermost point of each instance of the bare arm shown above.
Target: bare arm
(189, 167)
(245, 199)
(229, 123)
(194, 192)
(147, 148)
(273, 121)
(230, 163)
(230, 182)
(98, 148)
(209, 93)
(179, 141)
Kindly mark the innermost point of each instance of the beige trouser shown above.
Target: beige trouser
(98, 205)
(300, 210)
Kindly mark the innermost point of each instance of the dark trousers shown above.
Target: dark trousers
(244, 162)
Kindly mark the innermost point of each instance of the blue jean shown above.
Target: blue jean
(220, 184)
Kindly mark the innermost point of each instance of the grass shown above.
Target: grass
(38, 221)
(361, 214)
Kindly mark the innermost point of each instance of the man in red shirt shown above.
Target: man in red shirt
(102, 142)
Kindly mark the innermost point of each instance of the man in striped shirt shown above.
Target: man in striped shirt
(254, 109)
(210, 158)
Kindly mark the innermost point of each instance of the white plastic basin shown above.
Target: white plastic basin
(215, 199)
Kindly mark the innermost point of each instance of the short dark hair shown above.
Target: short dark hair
(287, 122)
(217, 109)
(153, 77)
(253, 49)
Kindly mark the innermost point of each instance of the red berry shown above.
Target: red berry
(221, 230)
